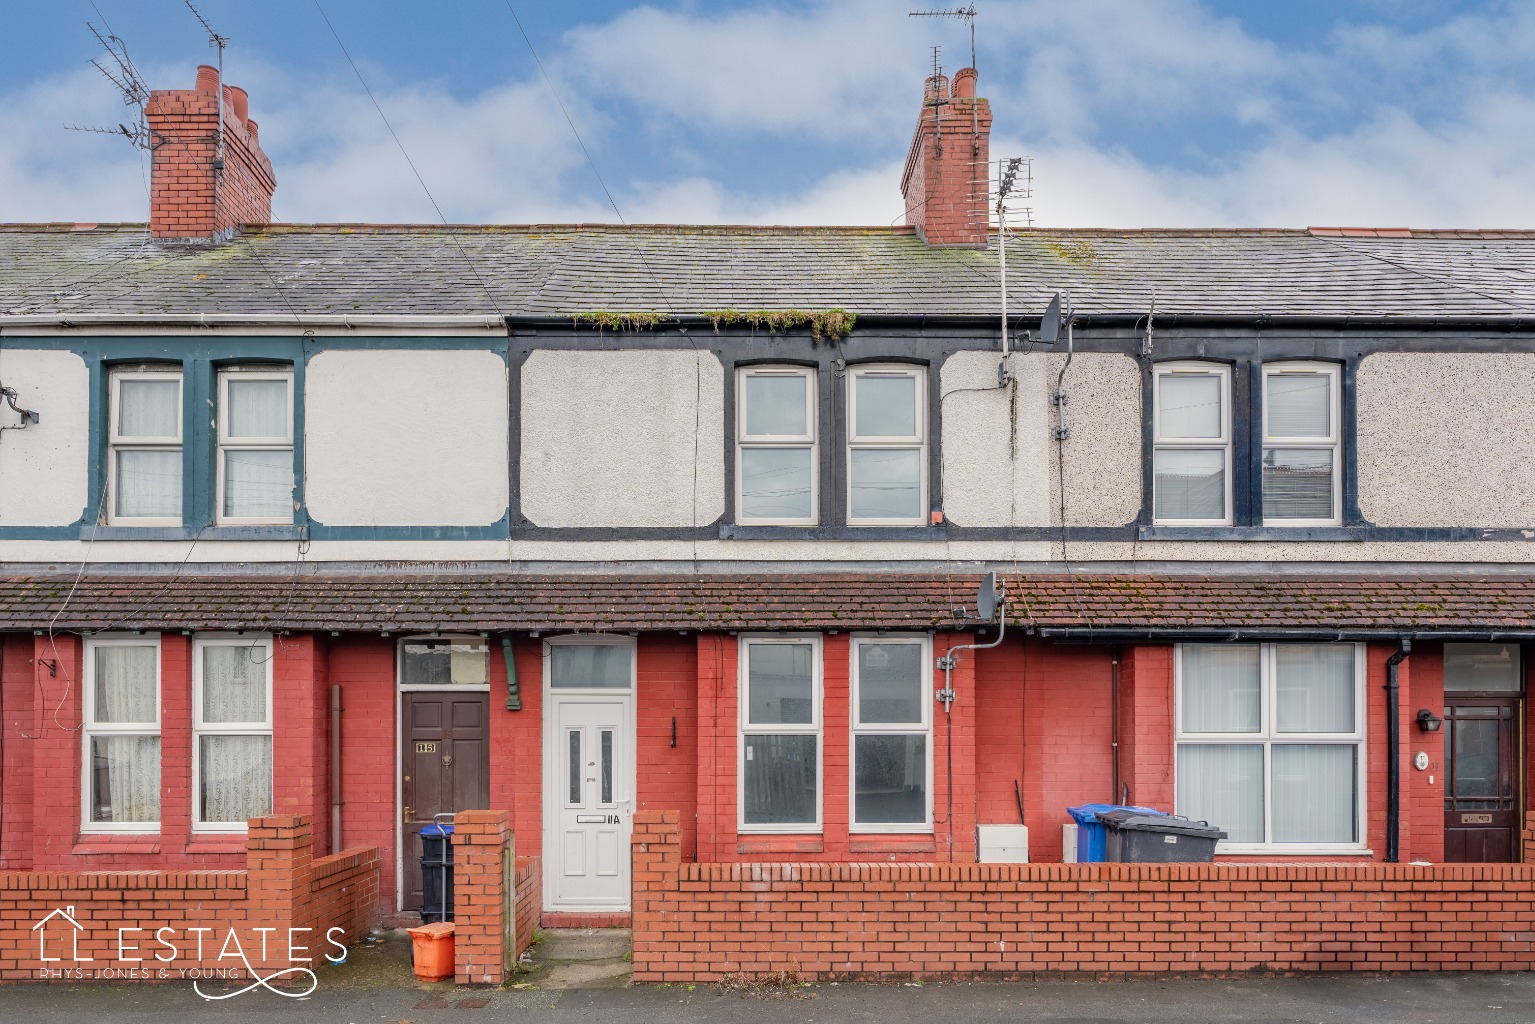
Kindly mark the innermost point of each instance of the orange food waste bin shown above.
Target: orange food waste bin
(432, 950)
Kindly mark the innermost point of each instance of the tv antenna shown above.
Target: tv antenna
(118, 68)
(215, 40)
(965, 14)
(1015, 180)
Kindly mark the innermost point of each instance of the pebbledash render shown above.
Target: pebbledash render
(346, 527)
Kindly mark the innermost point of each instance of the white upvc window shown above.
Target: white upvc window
(144, 446)
(255, 445)
(1191, 456)
(892, 725)
(1302, 480)
(120, 783)
(887, 446)
(231, 731)
(776, 449)
(780, 716)
(1270, 745)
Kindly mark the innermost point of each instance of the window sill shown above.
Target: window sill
(1293, 534)
(284, 532)
(216, 842)
(1292, 850)
(892, 843)
(735, 531)
(105, 844)
(777, 844)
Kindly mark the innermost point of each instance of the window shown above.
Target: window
(780, 768)
(1270, 743)
(1191, 458)
(776, 449)
(444, 661)
(232, 731)
(121, 780)
(892, 729)
(591, 666)
(887, 446)
(144, 447)
(255, 446)
(1482, 668)
(1301, 481)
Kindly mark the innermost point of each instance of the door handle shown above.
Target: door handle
(409, 813)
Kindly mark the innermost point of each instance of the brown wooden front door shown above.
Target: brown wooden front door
(445, 767)
(1481, 792)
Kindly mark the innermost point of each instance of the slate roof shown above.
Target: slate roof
(1107, 604)
(555, 271)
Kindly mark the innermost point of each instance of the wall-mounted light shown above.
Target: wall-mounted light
(1428, 721)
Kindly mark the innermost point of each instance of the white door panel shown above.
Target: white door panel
(591, 784)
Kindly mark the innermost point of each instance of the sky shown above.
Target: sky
(1136, 113)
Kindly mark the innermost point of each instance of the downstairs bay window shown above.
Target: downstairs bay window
(1270, 744)
(231, 731)
(780, 717)
(121, 780)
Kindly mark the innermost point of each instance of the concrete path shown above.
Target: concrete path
(1430, 999)
(578, 958)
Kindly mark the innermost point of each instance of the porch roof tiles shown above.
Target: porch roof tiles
(1083, 606)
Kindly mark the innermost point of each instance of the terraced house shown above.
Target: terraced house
(590, 523)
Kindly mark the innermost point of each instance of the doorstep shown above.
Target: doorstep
(569, 919)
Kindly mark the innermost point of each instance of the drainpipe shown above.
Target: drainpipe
(1394, 752)
(335, 768)
(1114, 722)
(513, 691)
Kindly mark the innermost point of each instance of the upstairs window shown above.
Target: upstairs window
(1301, 478)
(255, 446)
(144, 447)
(122, 734)
(887, 446)
(1191, 460)
(776, 479)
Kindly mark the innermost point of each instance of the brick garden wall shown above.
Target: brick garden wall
(697, 922)
(122, 913)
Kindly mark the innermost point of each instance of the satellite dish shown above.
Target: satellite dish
(1050, 326)
(986, 600)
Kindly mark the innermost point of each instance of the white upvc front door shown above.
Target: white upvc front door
(589, 797)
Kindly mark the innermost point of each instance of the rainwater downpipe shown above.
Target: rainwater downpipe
(513, 691)
(946, 696)
(1114, 722)
(1394, 752)
(335, 768)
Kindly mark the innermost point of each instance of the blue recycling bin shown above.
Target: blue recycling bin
(436, 873)
(1092, 834)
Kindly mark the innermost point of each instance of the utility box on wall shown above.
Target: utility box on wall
(1003, 844)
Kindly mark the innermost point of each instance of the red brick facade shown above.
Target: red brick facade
(701, 922)
(284, 894)
(189, 197)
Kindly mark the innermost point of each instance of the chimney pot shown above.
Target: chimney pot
(241, 101)
(251, 130)
(207, 78)
(964, 83)
(937, 87)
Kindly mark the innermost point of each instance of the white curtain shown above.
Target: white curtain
(148, 483)
(125, 778)
(236, 782)
(125, 685)
(258, 484)
(234, 683)
(1315, 687)
(149, 408)
(125, 770)
(257, 408)
(1220, 688)
(1222, 783)
(1314, 787)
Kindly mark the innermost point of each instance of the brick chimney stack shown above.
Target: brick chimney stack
(947, 178)
(191, 198)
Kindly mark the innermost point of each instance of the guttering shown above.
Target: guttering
(1257, 634)
(1394, 752)
(12, 322)
(1019, 323)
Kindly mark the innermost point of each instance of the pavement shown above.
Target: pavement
(582, 976)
